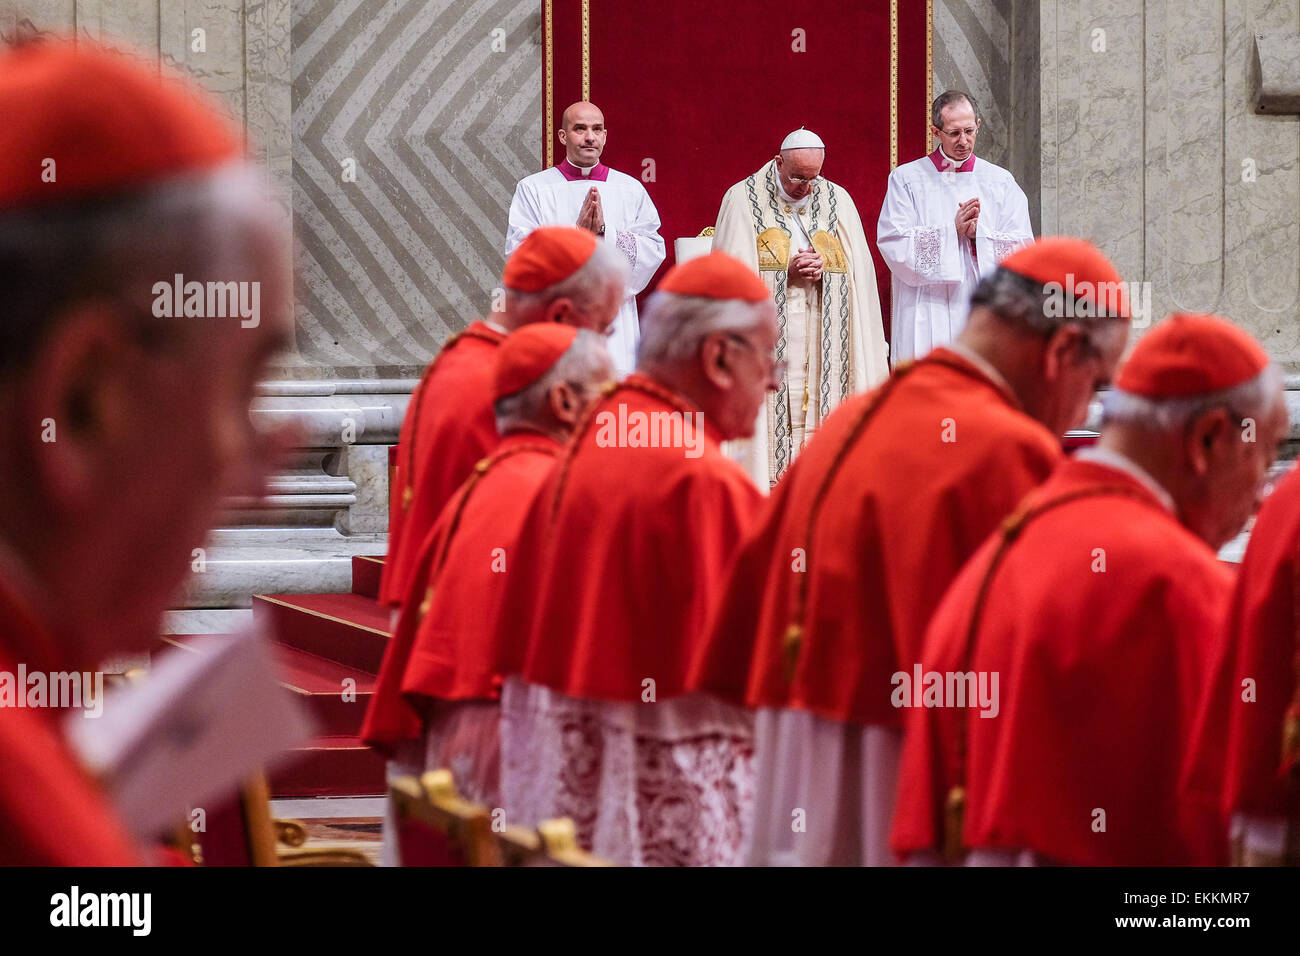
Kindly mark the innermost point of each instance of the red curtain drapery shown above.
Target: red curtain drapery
(698, 96)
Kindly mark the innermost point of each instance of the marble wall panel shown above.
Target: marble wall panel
(412, 121)
(972, 48)
(1150, 148)
(990, 48)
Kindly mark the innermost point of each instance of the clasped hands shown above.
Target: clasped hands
(806, 264)
(591, 216)
(968, 214)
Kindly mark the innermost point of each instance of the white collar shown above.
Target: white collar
(797, 203)
(585, 170)
(495, 327)
(952, 163)
(1113, 459)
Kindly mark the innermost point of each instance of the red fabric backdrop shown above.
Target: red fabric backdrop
(708, 91)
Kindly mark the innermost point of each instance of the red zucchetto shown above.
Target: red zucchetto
(528, 354)
(1077, 266)
(82, 121)
(548, 255)
(715, 276)
(1188, 355)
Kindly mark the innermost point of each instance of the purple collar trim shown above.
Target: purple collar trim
(572, 172)
(940, 164)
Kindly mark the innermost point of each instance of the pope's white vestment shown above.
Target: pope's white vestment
(830, 331)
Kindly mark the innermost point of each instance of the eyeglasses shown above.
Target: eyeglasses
(802, 181)
(778, 368)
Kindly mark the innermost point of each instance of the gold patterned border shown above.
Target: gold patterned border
(586, 50)
(929, 72)
(893, 84)
(548, 70)
(548, 94)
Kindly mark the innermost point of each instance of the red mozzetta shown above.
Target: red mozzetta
(832, 593)
(1099, 617)
(449, 427)
(627, 540)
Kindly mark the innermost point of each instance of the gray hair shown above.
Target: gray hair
(948, 98)
(582, 363)
(113, 249)
(673, 326)
(1250, 399)
(584, 288)
(1029, 304)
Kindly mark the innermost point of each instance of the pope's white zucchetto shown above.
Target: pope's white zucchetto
(802, 139)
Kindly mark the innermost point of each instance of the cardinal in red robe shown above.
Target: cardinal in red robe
(51, 812)
(623, 547)
(558, 274)
(1246, 751)
(126, 424)
(441, 674)
(833, 591)
(1051, 709)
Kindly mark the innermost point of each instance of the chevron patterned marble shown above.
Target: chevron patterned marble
(433, 107)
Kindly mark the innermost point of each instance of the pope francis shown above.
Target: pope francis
(803, 235)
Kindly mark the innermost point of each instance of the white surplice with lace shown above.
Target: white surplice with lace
(669, 783)
(933, 271)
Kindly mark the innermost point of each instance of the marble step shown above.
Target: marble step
(330, 766)
(366, 572)
(237, 563)
(336, 695)
(348, 629)
(338, 707)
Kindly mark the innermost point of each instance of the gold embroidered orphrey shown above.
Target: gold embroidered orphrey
(773, 250)
(832, 253)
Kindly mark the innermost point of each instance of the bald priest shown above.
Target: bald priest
(582, 191)
(803, 235)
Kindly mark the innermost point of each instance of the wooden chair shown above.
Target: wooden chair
(553, 843)
(243, 833)
(437, 827)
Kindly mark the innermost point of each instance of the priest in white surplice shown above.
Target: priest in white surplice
(948, 219)
(803, 235)
(580, 190)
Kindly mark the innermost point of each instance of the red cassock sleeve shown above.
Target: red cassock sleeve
(926, 770)
(51, 814)
(1238, 743)
(511, 624)
(721, 665)
(455, 655)
(716, 511)
(390, 719)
